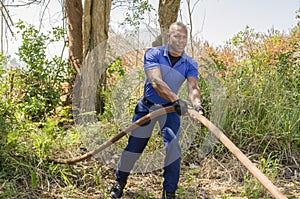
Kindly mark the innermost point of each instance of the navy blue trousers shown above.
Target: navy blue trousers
(138, 139)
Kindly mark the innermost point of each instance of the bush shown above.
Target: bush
(41, 77)
(263, 92)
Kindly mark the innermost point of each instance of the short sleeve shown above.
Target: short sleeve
(151, 59)
(192, 70)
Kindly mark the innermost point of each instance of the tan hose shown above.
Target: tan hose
(115, 138)
(199, 118)
(237, 152)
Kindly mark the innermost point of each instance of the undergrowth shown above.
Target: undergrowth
(258, 73)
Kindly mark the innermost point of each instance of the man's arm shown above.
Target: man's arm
(155, 78)
(194, 92)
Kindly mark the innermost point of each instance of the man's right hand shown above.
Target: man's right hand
(181, 106)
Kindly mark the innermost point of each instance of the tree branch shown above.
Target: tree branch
(25, 4)
(5, 19)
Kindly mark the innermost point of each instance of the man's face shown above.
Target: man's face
(177, 40)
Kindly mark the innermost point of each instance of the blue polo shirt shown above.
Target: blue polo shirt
(174, 77)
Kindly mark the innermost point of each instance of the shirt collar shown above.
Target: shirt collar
(166, 52)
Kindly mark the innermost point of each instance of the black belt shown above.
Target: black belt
(149, 103)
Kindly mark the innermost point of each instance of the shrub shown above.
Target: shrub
(42, 78)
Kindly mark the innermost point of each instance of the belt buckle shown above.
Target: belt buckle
(157, 105)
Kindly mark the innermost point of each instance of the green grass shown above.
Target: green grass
(261, 116)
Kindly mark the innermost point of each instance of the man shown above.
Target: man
(166, 68)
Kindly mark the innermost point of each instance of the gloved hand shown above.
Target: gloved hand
(198, 108)
(181, 106)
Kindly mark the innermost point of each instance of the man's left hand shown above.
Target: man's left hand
(199, 108)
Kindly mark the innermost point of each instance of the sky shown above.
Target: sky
(215, 21)
(219, 20)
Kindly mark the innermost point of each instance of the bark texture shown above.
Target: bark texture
(74, 11)
(168, 13)
(74, 18)
(96, 14)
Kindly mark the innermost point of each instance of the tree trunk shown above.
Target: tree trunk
(73, 9)
(96, 15)
(74, 18)
(168, 13)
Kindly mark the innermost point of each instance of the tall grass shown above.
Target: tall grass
(263, 94)
(261, 75)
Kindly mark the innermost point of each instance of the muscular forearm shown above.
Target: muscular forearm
(163, 90)
(194, 91)
(194, 96)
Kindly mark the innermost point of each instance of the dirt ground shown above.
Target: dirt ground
(212, 179)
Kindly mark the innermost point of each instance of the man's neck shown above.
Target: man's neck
(175, 54)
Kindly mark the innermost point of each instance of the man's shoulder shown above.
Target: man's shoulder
(188, 58)
(157, 51)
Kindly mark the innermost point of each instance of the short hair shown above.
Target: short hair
(177, 23)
